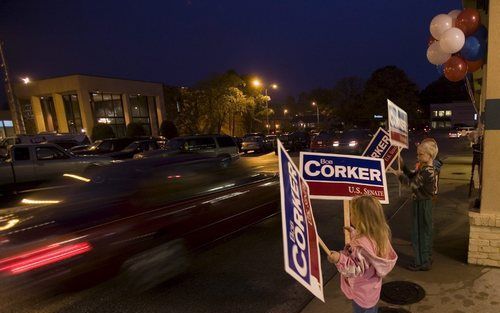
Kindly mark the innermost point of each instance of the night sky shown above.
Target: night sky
(300, 45)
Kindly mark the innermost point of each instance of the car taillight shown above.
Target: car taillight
(41, 257)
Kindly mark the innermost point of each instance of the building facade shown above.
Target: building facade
(445, 115)
(75, 103)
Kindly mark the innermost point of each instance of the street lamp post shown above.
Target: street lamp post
(317, 113)
(257, 83)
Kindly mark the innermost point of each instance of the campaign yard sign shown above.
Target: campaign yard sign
(342, 177)
(398, 125)
(380, 147)
(300, 238)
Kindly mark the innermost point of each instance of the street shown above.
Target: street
(244, 271)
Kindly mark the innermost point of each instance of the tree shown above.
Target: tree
(168, 130)
(102, 131)
(348, 97)
(390, 83)
(135, 130)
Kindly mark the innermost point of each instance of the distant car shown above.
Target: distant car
(253, 142)
(270, 142)
(138, 146)
(208, 145)
(104, 146)
(323, 142)
(455, 133)
(296, 141)
(352, 141)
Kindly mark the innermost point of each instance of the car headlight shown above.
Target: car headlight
(336, 143)
(353, 143)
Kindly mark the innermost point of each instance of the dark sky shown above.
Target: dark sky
(298, 44)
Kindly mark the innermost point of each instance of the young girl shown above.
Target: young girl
(422, 182)
(368, 257)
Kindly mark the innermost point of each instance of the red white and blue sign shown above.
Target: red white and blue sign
(300, 238)
(398, 125)
(380, 147)
(343, 177)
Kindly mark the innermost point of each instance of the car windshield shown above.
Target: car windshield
(175, 144)
(253, 138)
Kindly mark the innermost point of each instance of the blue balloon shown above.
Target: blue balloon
(481, 33)
(440, 69)
(474, 49)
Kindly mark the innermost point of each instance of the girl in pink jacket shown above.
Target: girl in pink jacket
(368, 257)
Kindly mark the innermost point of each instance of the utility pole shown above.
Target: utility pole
(13, 105)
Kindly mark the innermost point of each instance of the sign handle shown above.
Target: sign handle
(347, 222)
(323, 246)
(399, 170)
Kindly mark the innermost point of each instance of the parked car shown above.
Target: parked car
(29, 165)
(352, 141)
(295, 141)
(104, 146)
(454, 133)
(253, 142)
(138, 146)
(208, 145)
(323, 142)
(270, 142)
(145, 219)
(64, 140)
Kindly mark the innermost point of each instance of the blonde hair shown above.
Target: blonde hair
(369, 220)
(430, 147)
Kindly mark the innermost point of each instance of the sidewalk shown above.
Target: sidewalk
(452, 286)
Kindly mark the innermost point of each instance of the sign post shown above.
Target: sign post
(300, 238)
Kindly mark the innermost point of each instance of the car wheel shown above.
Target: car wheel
(152, 267)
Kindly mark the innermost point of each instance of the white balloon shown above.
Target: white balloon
(435, 55)
(439, 24)
(452, 40)
(454, 14)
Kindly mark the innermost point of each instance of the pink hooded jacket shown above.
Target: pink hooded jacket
(362, 270)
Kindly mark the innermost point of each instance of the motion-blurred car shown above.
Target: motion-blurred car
(207, 145)
(352, 141)
(143, 217)
(138, 146)
(253, 142)
(454, 133)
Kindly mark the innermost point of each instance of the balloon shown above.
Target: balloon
(440, 69)
(435, 55)
(474, 49)
(473, 66)
(431, 40)
(455, 69)
(454, 15)
(481, 33)
(468, 21)
(439, 24)
(452, 40)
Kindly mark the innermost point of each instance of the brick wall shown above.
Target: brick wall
(484, 239)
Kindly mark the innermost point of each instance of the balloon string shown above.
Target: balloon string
(470, 92)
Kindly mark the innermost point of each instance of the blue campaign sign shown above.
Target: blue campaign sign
(380, 147)
(300, 238)
(342, 177)
(398, 125)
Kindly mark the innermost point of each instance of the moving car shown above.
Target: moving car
(103, 146)
(352, 141)
(295, 141)
(207, 145)
(138, 146)
(144, 217)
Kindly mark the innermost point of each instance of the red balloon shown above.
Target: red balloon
(473, 66)
(431, 40)
(468, 21)
(455, 69)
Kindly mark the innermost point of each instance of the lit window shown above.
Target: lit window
(441, 113)
(435, 113)
(447, 113)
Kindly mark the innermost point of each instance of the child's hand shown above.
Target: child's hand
(333, 257)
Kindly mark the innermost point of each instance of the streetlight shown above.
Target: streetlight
(26, 80)
(317, 112)
(257, 83)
